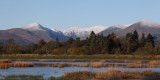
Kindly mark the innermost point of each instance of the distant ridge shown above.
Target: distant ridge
(32, 33)
(144, 26)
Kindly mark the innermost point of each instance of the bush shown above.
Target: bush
(151, 77)
(146, 50)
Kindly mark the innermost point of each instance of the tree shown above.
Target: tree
(132, 42)
(70, 41)
(92, 39)
(109, 43)
(157, 47)
(148, 49)
(9, 41)
(150, 39)
(59, 51)
(1, 47)
(135, 36)
(92, 35)
(57, 43)
(30, 48)
(9, 46)
(41, 43)
(76, 43)
(49, 47)
(135, 43)
(143, 40)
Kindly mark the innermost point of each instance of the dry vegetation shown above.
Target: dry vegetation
(109, 74)
(97, 56)
(5, 64)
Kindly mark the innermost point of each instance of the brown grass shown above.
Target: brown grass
(136, 66)
(110, 73)
(99, 56)
(79, 75)
(7, 65)
(59, 65)
(147, 72)
(104, 75)
(96, 65)
(5, 61)
(154, 62)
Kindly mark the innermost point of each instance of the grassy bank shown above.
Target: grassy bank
(100, 56)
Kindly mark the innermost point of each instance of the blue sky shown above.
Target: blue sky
(62, 14)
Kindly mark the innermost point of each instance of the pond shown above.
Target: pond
(57, 72)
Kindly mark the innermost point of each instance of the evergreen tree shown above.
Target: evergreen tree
(9, 46)
(135, 43)
(150, 39)
(70, 41)
(76, 43)
(1, 47)
(41, 43)
(49, 47)
(135, 36)
(92, 39)
(57, 43)
(143, 40)
(92, 35)
(132, 42)
(30, 48)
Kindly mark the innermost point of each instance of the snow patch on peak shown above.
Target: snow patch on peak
(120, 26)
(33, 26)
(82, 32)
(147, 23)
(55, 30)
(96, 29)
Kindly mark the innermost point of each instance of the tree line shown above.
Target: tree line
(132, 43)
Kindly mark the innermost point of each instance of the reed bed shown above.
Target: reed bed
(79, 75)
(99, 65)
(97, 56)
(85, 75)
(7, 65)
(60, 65)
(154, 62)
(136, 66)
(114, 74)
(5, 61)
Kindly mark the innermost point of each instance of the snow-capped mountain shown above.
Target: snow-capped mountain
(32, 33)
(45, 33)
(147, 23)
(120, 26)
(82, 32)
(33, 27)
(144, 26)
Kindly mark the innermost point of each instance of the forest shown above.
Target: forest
(131, 43)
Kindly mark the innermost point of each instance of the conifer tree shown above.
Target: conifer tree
(57, 43)
(143, 40)
(150, 39)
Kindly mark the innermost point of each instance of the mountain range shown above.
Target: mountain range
(32, 33)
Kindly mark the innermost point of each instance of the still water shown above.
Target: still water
(56, 71)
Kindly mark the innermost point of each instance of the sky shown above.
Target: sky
(63, 14)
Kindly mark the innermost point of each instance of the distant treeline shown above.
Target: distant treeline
(94, 44)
